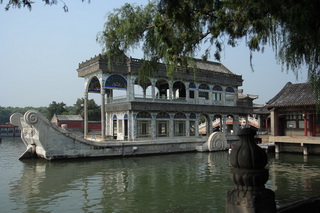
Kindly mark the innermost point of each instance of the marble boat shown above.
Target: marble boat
(46, 140)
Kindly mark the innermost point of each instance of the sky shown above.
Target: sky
(40, 51)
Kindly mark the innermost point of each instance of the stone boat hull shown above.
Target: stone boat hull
(46, 140)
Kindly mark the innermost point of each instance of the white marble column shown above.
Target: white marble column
(85, 114)
(103, 115)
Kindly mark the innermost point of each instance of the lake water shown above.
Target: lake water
(189, 182)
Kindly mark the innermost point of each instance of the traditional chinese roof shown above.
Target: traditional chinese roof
(69, 117)
(293, 95)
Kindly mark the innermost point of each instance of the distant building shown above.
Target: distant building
(74, 122)
(9, 130)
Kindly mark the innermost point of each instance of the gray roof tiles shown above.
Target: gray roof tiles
(293, 95)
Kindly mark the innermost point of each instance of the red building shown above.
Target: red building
(293, 117)
(75, 122)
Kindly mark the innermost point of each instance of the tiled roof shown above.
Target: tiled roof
(69, 117)
(293, 95)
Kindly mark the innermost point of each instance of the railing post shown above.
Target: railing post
(249, 175)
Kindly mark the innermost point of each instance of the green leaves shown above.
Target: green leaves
(172, 31)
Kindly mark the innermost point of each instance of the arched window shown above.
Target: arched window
(94, 85)
(230, 94)
(163, 115)
(116, 81)
(229, 89)
(142, 88)
(179, 124)
(192, 87)
(204, 86)
(163, 89)
(217, 88)
(179, 90)
(144, 124)
(203, 91)
(162, 124)
(217, 93)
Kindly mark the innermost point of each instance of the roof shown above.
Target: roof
(293, 95)
(212, 66)
(69, 117)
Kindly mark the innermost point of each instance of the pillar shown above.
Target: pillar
(171, 126)
(153, 126)
(85, 115)
(187, 93)
(210, 129)
(273, 122)
(103, 115)
(153, 90)
(170, 91)
(305, 123)
(188, 127)
(197, 126)
(130, 126)
(223, 124)
(235, 125)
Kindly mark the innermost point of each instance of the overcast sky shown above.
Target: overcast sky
(41, 49)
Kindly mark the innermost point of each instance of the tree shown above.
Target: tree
(94, 111)
(171, 31)
(28, 4)
(56, 108)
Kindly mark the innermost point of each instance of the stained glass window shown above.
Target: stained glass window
(94, 85)
(217, 88)
(229, 89)
(116, 81)
(192, 85)
(180, 115)
(193, 116)
(144, 115)
(204, 86)
(163, 115)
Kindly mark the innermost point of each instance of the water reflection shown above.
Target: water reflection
(294, 177)
(154, 183)
(190, 182)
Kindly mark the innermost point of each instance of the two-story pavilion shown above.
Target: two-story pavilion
(162, 106)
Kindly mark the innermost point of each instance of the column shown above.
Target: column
(170, 90)
(187, 94)
(209, 125)
(171, 126)
(305, 123)
(197, 125)
(236, 124)
(153, 126)
(224, 124)
(130, 88)
(103, 114)
(273, 122)
(188, 127)
(130, 124)
(85, 112)
(153, 90)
